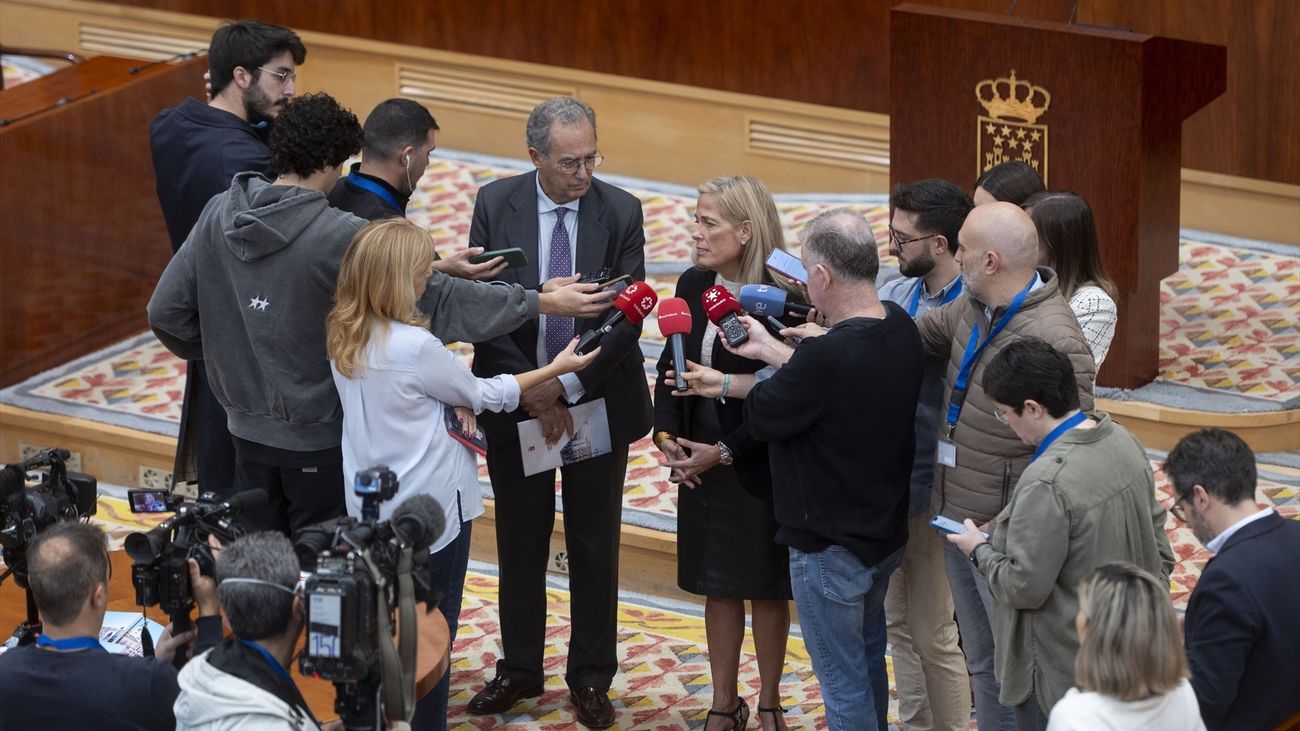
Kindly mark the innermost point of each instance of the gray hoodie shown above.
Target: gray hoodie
(269, 257)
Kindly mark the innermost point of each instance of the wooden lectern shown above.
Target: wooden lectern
(83, 241)
(1097, 112)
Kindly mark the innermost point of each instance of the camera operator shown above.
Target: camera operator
(67, 677)
(245, 681)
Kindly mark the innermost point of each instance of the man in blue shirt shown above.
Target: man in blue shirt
(933, 684)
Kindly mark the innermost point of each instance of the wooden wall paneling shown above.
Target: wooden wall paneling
(83, 241)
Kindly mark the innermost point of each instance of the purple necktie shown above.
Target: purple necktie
(559, 330)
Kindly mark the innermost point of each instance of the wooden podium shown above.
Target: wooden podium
(1097, 112)
(83, 241)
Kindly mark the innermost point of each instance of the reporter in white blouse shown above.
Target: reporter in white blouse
(398, 383)
(1067, 242)
(1131, 670)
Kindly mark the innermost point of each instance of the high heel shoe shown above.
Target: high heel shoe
(774, 710)
(739, 717)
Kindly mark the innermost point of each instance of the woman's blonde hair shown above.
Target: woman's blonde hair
(1131, 648)
(744, 198)
(376, 286)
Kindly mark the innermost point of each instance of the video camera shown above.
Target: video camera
(161, 572)
(366, 571)
(25, 511)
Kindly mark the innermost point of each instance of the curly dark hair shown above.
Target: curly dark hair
(312, 133)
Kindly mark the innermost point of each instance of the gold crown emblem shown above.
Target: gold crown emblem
(1012, 99)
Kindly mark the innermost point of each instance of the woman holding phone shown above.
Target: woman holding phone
(396, 382)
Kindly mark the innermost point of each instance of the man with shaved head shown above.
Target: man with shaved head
(979, 458)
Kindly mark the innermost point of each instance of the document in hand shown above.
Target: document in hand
(590, 439)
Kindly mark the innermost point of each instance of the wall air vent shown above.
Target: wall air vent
(134, 43)
(476, 90)
(819, 143)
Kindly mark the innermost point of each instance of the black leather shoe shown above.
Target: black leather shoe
(593, 707)
(501, 695)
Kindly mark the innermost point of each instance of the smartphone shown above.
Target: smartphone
(514, 257)
(618, 284)
(948, 525)
(147, 501)
(787, 265)
(596, 277)
(474, 442)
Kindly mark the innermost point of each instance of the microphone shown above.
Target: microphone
(12, 481)
(632, 305)
(764, 299)
(721, 307)
(419, 520)
(674, 322)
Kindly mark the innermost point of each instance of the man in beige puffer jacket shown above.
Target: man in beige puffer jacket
(980, 458)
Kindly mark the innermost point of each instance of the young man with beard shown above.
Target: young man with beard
(197, 150)
(933, 685)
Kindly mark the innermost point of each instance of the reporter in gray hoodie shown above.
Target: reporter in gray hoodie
(249, 290)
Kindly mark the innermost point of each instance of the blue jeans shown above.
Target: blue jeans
(842, 615)
(447, 578)
(974, 605)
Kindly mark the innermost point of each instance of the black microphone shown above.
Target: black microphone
(12, 480)
(246, 500)
(187, 55)
(674, 323)
(45, 458)
(419, 520)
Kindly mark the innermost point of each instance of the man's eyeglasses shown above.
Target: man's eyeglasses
(285, 77)
(1000, 415)
(896, 240)
(1176, 511)
(569, 165)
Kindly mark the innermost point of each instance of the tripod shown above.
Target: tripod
(29, 630)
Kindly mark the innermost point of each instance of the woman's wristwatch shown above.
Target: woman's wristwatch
(724, 454)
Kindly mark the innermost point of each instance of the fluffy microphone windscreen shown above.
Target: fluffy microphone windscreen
(637, 301)
(674, 317)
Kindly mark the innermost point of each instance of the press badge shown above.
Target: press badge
(947, 453)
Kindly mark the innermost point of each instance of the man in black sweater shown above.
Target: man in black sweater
(67, 680)
(197, 150)
(839, 418)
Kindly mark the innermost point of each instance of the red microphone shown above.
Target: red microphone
(632, 305)
(674, 322)
(722, 307)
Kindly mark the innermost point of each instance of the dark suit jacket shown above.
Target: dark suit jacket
(1243, 628)
(609, 235)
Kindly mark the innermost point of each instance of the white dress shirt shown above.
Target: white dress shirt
(1216, 544)
(393, 414)
(546, 216)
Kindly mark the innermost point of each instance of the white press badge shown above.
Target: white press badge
(947, 453)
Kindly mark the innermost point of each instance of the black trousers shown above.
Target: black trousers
(204, 436)
(592, 496)
(298, 496)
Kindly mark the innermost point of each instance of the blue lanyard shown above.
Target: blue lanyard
(953, 293)
(69, 643)
(377, 189)
(1060, 429)
(974, 348)
(275, 664)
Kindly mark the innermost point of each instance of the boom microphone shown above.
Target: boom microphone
(419, 520)
(674, 322)
(765, 299)
(246, 500)
(721, 307)
(632, 305)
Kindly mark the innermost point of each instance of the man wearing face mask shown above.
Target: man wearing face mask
(400, 136)
(244, 682)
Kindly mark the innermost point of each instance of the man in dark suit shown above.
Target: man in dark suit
(566, 222)
(1242, 626)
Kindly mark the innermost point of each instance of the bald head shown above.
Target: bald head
(998, 251)
(841, 220)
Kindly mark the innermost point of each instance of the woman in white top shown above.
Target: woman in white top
(1067, 237)
(1131, 670)
(399, 386)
